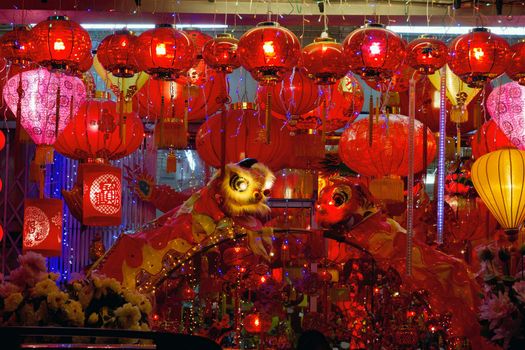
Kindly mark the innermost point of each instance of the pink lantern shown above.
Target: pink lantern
(45, 95)
(506, 105)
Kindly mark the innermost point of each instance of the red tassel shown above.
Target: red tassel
(171, 162)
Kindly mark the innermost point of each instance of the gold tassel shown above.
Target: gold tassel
(171, 162)
(268, 114)
(377, 110)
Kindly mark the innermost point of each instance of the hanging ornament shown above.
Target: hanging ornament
(42, 232)
(516, 67)
(478, 57)
(324, 60)
(427, 54)
(345, 103)
(499, 179)
(116, 54)
(60, 44)
(44, 102)
(221, 53)
(164, 52)
(506, 106)
(398, 82)
(489, 138)
(374, 52)
(94, 132)
(16, 46)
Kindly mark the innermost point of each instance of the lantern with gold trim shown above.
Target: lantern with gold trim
(42, 232)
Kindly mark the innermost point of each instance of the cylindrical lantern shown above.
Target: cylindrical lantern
(16, 46)
(324, 60)
(60, 43)
(478, 57)
(221, 53)
(102, 194)
(244, 139)
(374, 52)
(269, 51)
(499, 179)
(164, 52)
(516, 67)
(116, 54)
(43, 226)
(95, 133)
(427, 54)
(489, 138)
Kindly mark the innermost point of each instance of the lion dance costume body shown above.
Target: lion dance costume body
(226, 207)
(346, 210)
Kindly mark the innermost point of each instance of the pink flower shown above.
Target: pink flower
(33, 261)
(495, 308)
(32, 269)
(8, 288)
(509, 328)
(519, 288)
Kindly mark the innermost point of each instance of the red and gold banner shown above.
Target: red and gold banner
(43, 226)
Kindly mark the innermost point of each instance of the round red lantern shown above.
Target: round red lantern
(398, 82)
(2, 140)
(257, 323)
(324, 60)
(60, 43)
(116, 54)
(489, 138)
(478, 57)
(345, 103)
(427, 54)
(164, 52)
(268, 52)
(169, 99)
(374, 52)
(245, 139)
(16, 46)
(95, 133)
(199, 39)
(221, 53)
(516, 66)
(387, 154)
(295, 95)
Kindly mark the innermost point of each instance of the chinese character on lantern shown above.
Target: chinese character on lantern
(102, 193)
(43, 226)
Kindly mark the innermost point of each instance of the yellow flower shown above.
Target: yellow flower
(12, 301)
(74, 313)
(93, 318)
(144, 327)
(113, 284)
(44, 288)
(53, 276)
(42, 312)
(85, 295)
(55, 300)
(139, 300)
(28, 316)
(127, 315)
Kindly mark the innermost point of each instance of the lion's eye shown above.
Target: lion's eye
(339, 198)
(239, 184)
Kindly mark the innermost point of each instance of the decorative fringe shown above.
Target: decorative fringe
(389, 189)
(44, 154)
(459, 114)
(268, 114)
(308, 145)
(171, 162)
(476, 115)
(171, 134)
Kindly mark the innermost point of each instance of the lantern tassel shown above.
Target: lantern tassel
(123, 118)
(161, 123)
(223, 139)
(57, 119)
(370, 120)
(325, 117)
(171, 162)
(458, 141)
(268, 114)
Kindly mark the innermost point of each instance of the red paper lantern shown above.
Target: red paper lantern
(116, 54)
(478, 57)
(488, 138)
(221, 53)
(164, 52)
(2, 140)
(245, 138)
(42, 231)
(295, 95)
(16, 46)
(199, 39)
(257, 323)
(427, 55)
(1, 233)
(345, 103)
(516, 66)
(95, 133)
(324, 60)
(102, 194)
(388, 154)
(60, 43)
(163, 99)
(268, 52)
(198, 74)
(374, 52)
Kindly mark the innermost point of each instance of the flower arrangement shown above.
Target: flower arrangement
(459, 183)
(32, 298)
(502, 311)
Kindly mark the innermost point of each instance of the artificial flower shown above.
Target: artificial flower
(28, 316)
(519, 288)
(56, 300)
(8, 288)
(139, 300)
(12, 302)
(44, 288)
(495, 308)
(127, 315)
(93, 318)
(74, 313)
(508, 329)
(85, 295)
